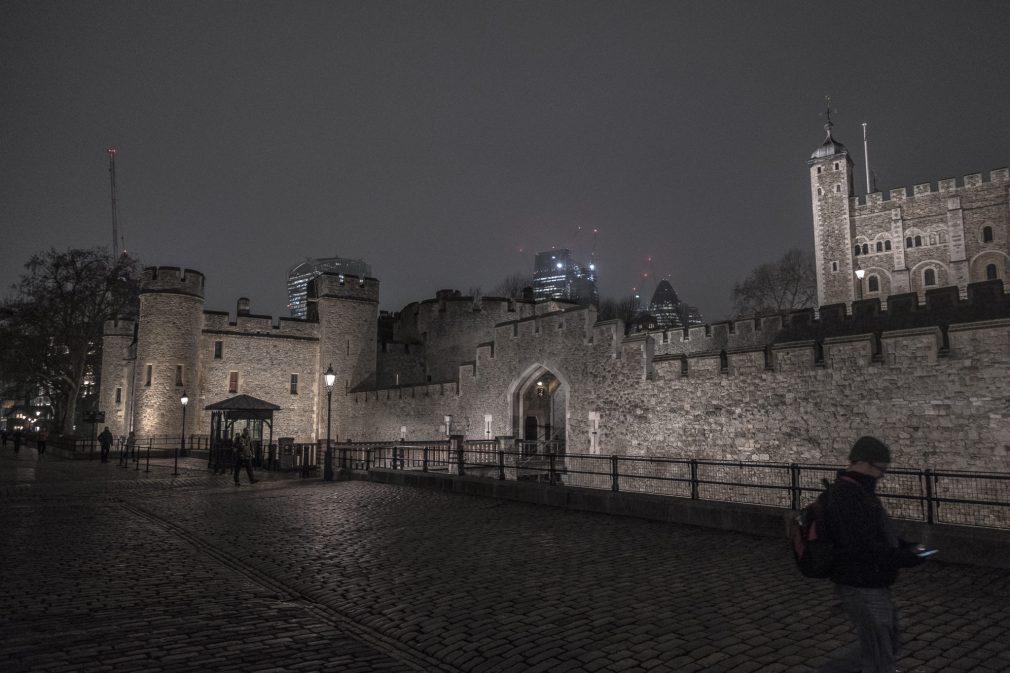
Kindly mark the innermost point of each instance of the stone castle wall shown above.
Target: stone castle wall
(938, 405)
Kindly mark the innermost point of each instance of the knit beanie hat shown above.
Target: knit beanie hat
(869, 450)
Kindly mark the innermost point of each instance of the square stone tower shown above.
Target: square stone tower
(830, 192)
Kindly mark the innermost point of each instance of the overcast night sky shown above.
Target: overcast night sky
(437, 139)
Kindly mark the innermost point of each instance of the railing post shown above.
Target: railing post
(424, 459)
(930, 500)
(343, 458)
(694, 479)
(615, 475)
(368, 459)
(551, 475)
(501, 465)
(794, 485)
(456, 442)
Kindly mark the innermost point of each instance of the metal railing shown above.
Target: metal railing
(932, 496)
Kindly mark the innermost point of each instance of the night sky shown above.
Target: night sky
(446, 142)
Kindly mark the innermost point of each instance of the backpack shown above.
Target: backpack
(813, 548)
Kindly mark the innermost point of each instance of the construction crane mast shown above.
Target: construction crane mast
(115, 206)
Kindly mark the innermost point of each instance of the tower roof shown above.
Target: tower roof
(830, 146)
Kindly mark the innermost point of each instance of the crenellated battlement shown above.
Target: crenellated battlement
(119, 327)
(171, 280)
(220, 322)
(947, 187)
(340, 286)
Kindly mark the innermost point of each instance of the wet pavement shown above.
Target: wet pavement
(115, 570)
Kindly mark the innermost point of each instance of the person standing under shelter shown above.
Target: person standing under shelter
(105, 439)
(242, 457)
(867, 556)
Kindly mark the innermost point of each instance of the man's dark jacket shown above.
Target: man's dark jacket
(868, 553)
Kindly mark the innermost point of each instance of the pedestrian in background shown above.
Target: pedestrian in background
(105, 439)
(40, 441)
(242, 457)
(3, 437)
(868, 554)
(124, 456)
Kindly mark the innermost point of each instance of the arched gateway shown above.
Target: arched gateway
(539, 403)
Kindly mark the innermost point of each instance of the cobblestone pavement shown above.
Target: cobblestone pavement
(192, 574)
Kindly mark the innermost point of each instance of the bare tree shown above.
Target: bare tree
(625, 309)
(512, 286)
(52, 325)
(787, 284)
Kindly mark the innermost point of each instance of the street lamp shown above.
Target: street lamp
(329, 377)
(859, 277)
(184, 400)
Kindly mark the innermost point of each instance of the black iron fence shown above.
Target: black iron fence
(933, 496)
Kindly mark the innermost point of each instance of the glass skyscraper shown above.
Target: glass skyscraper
(558, 276)
(300, 275)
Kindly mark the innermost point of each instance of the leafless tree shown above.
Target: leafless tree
(625, 309)
(51, 332)
(784, 285)
(512, 286)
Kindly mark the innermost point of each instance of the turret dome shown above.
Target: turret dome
(830, 146)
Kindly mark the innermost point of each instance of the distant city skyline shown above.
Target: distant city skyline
(448, 142)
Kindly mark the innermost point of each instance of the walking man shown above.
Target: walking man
(105, 439)
(40, 441)
(868, 555)
(242, 457)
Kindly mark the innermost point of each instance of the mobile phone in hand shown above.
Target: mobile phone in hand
(925, 553)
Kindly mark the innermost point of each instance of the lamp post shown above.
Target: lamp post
(329, 377)
(859, 279)
(184, 400)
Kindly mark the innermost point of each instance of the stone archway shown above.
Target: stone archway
(539, 401)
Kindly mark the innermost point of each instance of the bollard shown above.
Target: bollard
(148, 467)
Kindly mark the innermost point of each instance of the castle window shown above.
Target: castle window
(918, 241)
(487, 426)
(294, 384)
(218, 349)
(857, 250)
(834, 267)
(836, 165)
(873, 283)
(887, 245)
(929, 277)
(866, 249)
(987, 234)
(880, 246)
(990, 273)
(119, 394)
(178, 375)
(932, 239)
(723, 362)
(943, 237)
(818, 170)
(149, 375)
(908, 242)
(233, 382)
(820, 192)
(838, 188)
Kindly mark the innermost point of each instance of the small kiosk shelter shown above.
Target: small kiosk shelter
(231, 416)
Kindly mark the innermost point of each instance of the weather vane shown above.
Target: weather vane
(827, 108)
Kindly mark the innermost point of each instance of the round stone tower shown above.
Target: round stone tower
(117, 374)
(347, 310)
(171, 317)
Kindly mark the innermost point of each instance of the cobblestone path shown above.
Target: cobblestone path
(194, 574)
